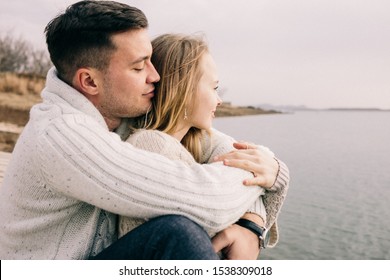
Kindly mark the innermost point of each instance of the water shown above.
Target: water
(338, 203)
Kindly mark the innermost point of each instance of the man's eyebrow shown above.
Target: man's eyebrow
(140, 59)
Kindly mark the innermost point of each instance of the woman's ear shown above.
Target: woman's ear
(86, 81)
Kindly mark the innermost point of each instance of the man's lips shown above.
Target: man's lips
(149, 94)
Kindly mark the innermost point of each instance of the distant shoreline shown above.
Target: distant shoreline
(302, 108)
(13, 119)
(358, 109)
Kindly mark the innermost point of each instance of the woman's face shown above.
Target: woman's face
(206, 98)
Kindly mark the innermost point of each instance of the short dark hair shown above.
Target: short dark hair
(81, 36)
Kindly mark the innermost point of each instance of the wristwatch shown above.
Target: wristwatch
(261, 232)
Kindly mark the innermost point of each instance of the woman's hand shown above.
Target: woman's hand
(260, 161)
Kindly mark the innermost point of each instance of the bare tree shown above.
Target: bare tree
(13, 54)
(39, 63)
(18, 56)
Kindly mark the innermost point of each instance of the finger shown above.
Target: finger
(237, 154)
(257, 181)
(245, 162)
(244, 145)
(219, 242)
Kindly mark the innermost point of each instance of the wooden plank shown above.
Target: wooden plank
(4, 160)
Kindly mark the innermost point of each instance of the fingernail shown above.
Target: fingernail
(226, 161)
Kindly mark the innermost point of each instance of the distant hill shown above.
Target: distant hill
(226, 110)
(292, 108)
(284, 108)
(356, 109)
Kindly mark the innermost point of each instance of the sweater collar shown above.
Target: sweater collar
(56, 88)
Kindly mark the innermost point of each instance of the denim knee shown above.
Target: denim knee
(185, 239)
(170, 237)
(181, 228)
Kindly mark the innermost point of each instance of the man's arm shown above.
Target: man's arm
(218, 145)
(95, 166)
(234, 242)
(268, 171)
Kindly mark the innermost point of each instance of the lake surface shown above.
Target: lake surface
(338, 205)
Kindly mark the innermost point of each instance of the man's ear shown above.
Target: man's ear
(87, 81)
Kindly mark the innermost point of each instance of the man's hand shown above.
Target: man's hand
(238, 243)
(249, 157)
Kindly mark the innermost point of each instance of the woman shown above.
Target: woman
(179, 124)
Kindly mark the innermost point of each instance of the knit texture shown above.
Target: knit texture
(166, 145)
(273, 197)
(268, 206)
(69, 178)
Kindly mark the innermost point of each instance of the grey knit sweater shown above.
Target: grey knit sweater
(69, 178)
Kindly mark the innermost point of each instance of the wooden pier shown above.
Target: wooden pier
(4, 159)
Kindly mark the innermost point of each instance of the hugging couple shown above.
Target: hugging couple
(120, 160)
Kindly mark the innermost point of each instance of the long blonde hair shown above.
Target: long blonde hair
(176, 58)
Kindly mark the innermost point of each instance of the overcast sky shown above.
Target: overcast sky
(318, 53)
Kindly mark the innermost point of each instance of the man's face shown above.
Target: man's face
(127, 85)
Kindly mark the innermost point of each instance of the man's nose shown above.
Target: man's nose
(153, 76)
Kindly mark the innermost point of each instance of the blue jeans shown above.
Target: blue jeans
(170, 237)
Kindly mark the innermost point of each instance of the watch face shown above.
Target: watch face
(266, 237)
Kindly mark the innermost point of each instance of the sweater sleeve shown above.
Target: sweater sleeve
(82, 160)
(218, 143)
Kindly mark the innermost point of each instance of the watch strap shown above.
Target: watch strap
(253, 227)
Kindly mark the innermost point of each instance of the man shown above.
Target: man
(70, 175)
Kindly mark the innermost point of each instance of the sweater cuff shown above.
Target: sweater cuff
(282, 178)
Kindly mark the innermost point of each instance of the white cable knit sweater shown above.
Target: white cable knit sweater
(68, 176)
(159, 142)
(164, 144)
